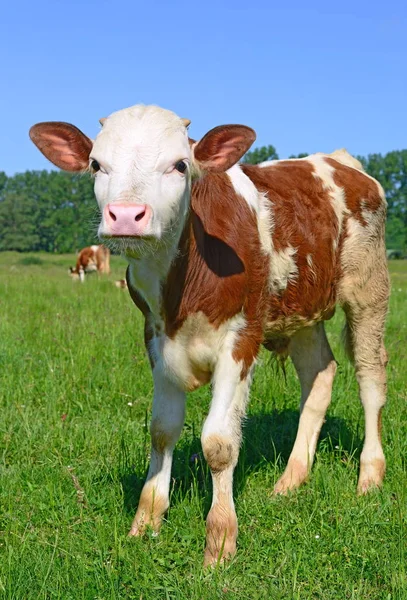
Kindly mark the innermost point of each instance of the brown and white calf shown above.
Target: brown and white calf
(91, 259)
(224, 258)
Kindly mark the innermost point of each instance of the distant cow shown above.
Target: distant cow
(226, 257)
(91, 259)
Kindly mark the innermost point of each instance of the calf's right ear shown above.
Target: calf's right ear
(63, 144)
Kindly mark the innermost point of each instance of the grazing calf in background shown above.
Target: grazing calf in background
(226, 257)
(91, 259)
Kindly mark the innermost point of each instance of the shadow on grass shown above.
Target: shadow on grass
(267, 438)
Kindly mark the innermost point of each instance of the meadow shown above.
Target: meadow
(75, 398)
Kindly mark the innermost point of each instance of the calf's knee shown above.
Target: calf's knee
(220, 452)
(163, 437)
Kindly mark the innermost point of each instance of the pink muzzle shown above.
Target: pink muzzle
(123, 219)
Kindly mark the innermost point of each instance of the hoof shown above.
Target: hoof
(294, 475)
(371, 476)
(213, 558)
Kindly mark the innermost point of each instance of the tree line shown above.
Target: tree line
(54, 211)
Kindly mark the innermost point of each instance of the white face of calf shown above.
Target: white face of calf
(141, 161)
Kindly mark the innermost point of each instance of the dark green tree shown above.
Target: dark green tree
(3, 182)
(391, 171)
(53, 210)
(17, 227)
(258, 155)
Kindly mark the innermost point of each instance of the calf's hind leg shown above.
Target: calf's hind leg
(364, 336)
(364, 295)
(315, 366)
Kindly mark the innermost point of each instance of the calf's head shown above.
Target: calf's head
(143, 163)
(77, 275)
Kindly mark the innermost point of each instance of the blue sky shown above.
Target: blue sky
(307, 76)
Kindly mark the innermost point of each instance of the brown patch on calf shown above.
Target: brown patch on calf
(304, 219)
(361, 192)
(208, 274)
(221, 269)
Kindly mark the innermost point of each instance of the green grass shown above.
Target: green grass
(75, 397)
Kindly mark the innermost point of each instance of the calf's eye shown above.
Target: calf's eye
(181, 166)
(95, 166)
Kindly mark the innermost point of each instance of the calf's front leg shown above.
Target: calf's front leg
(221, 438)
(166, 425)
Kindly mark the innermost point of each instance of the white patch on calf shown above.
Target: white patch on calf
(189, 358)
(244, 187)
(91, 267)
(357, 242)
(258, 202)
(325, 173)
(361, 256)
(227, 383)
(268, 163)
(283, 269)
(310, 263)
(265, 224)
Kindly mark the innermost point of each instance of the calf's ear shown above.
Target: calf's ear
(63, 144)
(223, 146)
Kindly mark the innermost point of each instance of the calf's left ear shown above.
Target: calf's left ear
(63, 144)
(223, 146)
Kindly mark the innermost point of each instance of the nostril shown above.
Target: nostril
(140, 216)
(112, 216)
